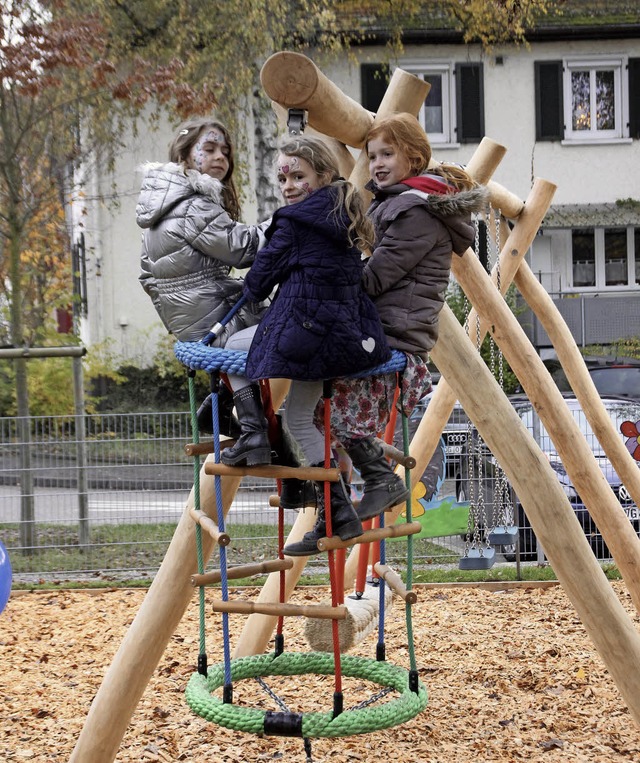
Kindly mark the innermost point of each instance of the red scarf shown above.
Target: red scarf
(429, 184)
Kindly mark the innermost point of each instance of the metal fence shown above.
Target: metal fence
(100, 498)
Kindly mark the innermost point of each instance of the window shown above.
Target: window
(587, 100)
(453, 111)
(605, 257)
(593, 106)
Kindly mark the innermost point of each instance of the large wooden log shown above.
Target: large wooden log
(572, 447)
(294, 81)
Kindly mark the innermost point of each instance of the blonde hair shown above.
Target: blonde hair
(405, 134)
(323, 162)
(180, 147)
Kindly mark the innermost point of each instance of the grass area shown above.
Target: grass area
(128, 555)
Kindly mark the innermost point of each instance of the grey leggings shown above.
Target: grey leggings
(299, 407)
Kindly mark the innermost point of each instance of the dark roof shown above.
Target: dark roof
(567, 19)
(617, 214)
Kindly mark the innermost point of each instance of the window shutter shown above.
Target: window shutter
(634, 98)
(374, 79)
(469, 102)
(548, 85)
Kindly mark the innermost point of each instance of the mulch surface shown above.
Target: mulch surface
(511, 676)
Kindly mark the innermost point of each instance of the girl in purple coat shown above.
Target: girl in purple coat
(320, 323)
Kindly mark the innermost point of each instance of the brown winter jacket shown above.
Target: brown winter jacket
(408, 272)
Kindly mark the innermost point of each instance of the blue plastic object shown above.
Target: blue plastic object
(478, 559)
(503, 536)
(5, 576)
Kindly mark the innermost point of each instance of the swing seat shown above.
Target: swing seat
(503, 535)
(478, 559)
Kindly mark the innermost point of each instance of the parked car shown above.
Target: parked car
(454, 435)
(611, 375)
(619, 409)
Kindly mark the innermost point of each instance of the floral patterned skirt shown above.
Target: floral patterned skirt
(362, 407)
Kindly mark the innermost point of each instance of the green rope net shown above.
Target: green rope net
(313, 725)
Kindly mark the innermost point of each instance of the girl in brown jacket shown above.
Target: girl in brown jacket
(421, 214)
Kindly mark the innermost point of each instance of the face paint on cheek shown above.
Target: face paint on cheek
(304, 188)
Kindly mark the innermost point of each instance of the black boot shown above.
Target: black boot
(383, 488)
(345, 523)
(252, 447)
(295, 493)
(229, 424)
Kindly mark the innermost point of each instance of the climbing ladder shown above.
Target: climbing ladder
(201, 695)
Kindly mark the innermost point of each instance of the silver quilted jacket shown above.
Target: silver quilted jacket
(189, 246)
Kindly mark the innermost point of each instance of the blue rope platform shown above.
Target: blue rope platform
(201, 357)
(314, 724)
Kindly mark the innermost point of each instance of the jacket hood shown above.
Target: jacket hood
(165, 185)
(440, 198)
(317, 211)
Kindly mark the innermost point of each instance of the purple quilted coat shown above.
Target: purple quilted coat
(320, 324)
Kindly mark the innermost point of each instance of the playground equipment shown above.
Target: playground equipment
(366, 716)
(607, 623)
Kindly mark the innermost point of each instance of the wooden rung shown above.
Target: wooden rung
(207, 524)
(397, 455)
(370, 536)
(322, 611)
(206, 447)
(395, 583)
(242, 571)
(270, 470)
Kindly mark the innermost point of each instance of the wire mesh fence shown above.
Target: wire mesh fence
(101, 498)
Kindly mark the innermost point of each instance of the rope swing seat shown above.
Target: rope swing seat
(314, 725)
(209, 692)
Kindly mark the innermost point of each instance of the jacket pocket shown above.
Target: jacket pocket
(303, 337)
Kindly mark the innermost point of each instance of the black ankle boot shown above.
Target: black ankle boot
(252, 447)
(228, 423)
(295, 493)
(383, 488)
(345, 523)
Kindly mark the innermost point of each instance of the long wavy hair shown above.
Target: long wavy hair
(405, 134)
(186, 136)
(323, 162)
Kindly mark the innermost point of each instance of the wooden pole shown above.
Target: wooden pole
(294, 81)
(154, 624)
(405, 93)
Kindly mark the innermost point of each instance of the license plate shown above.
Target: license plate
(454, 449)
(632, 512)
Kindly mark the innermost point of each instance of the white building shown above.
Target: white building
(567, 108)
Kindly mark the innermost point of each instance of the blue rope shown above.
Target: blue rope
(224, 583)
(201, 357)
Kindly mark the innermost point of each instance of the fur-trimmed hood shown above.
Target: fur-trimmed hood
(165, 185)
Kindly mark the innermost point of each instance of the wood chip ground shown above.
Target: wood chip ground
(511, 676)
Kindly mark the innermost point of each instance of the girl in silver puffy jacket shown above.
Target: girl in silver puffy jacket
(188, 209)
